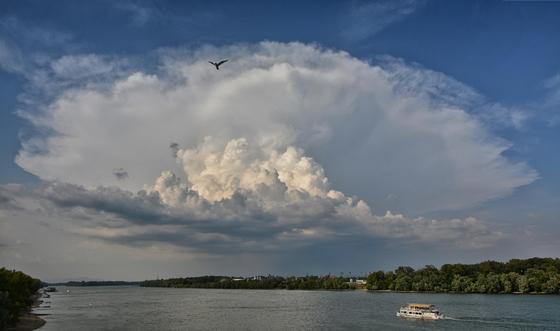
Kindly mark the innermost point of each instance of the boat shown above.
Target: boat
(419, 310)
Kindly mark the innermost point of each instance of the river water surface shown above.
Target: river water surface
(141, 308)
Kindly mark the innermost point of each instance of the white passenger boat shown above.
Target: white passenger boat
(419, 310)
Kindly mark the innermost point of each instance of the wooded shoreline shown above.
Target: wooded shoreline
(534, 275)
(18, 294)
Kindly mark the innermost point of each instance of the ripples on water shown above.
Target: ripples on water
(136, 308)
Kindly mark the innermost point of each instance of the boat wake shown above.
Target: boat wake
(498, 322)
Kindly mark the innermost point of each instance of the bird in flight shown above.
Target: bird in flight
(218, 64)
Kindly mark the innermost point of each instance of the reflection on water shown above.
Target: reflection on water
(135, 308)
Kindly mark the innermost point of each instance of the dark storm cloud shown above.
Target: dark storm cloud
(148, 209)
(141, 208)
(120, 174)
(174, 149)
(176, 215)
(225, 226)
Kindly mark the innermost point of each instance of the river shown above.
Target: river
(159, 309)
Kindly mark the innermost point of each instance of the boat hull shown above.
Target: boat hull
(421, 316)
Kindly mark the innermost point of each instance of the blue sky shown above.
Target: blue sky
(325, 117)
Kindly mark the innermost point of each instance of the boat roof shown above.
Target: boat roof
(422, 305)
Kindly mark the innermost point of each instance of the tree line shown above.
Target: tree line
(525, 276)
(262, 283)
(16, 290)
(99, 283)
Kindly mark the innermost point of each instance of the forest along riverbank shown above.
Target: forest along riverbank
(534, 275)
(28, 320)
(19, 293)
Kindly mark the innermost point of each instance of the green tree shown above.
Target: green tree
(509, 282)
(18, 288)
(462, 284)
(552, 285)
(5, 314)
(403, 283)
(523, 284)
(494, 283)
(376, 281)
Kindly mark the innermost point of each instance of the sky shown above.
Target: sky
(344, 136)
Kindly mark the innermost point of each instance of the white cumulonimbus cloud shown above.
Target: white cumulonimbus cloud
(378, 129)
(253, 143)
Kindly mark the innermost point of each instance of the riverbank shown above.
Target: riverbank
(28, 320)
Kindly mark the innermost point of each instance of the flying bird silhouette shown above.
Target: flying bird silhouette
(218, 64)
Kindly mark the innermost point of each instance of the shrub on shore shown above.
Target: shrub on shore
(16, 290)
